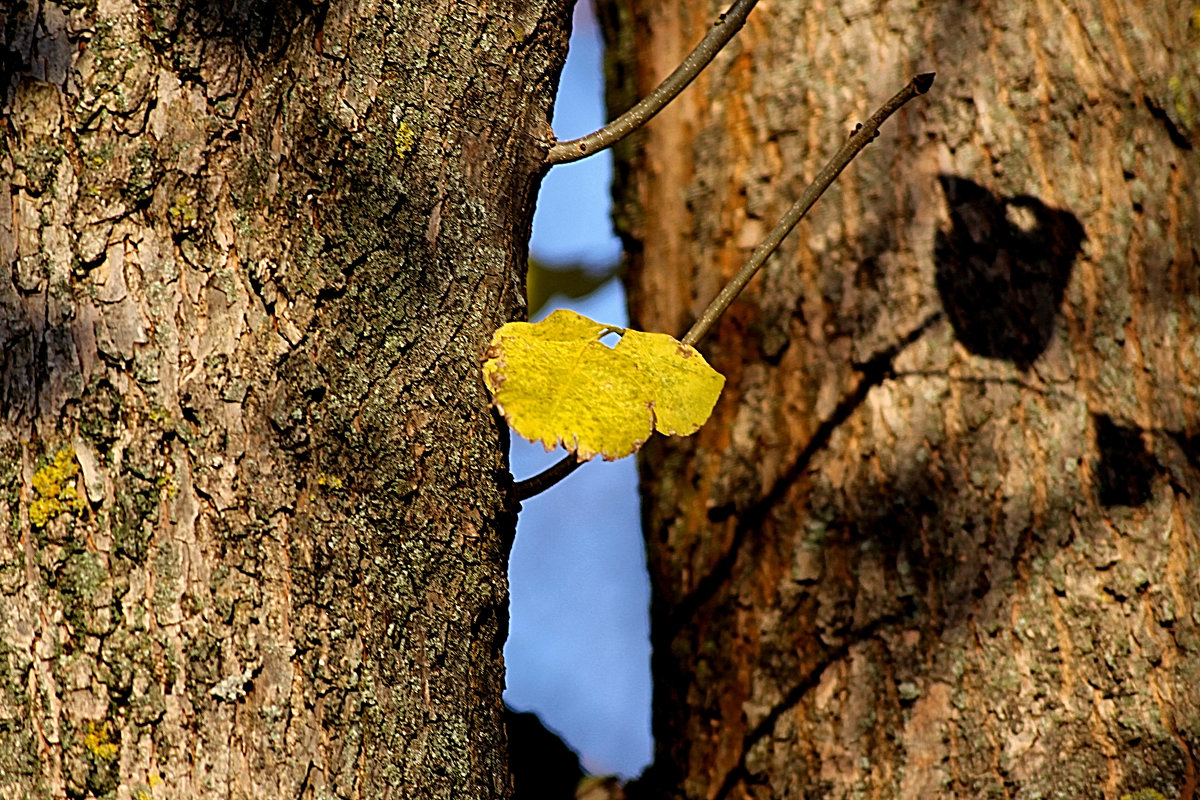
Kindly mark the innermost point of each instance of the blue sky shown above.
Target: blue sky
(578, 652)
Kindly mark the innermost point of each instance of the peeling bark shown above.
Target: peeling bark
(940, 536)
(255, 517)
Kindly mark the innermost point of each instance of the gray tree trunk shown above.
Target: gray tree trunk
(941, 536)
(254, 523)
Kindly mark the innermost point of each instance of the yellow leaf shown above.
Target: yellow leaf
(557, 383)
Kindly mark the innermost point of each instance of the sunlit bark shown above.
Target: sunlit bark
(940, 537)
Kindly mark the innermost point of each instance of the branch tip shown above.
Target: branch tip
(862, 135)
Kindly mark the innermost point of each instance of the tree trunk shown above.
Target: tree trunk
(255, 504)
(940, 536)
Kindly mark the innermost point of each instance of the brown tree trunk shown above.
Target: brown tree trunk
(254, 519)
(940, 537)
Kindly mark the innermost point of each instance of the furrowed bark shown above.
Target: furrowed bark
(255, 503)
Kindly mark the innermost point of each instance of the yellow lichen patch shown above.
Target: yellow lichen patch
(155, 780)
(54, 485)
(167, 479)
(404, 139)
(182, 210)
(97, 742)
(329, 481)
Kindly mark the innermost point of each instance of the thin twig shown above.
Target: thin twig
(863, 135)
(523, 490)
(717, 37)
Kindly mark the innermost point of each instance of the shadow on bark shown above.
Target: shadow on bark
(874, 372)
(936, 567)
(934, 571)
(263, 28)
(750, 522)
(1002, 269)
(939, 570)
(1126, 468)
(796, 694)
(1128, 460)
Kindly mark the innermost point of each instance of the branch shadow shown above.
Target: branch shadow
(796, 694)
(960, 570)
(874, 372)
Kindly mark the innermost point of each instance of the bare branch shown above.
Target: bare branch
(523, 490)
(860, 138)
(717, 37)
(862, 135)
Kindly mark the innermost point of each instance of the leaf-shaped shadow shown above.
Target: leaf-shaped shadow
(1002, 269)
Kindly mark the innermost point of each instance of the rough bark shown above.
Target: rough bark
(940, 538)
(254, 523)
